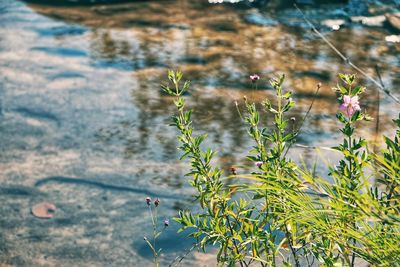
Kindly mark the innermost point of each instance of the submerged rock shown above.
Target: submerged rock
(392, 38)
(393, 20)
(374, 21)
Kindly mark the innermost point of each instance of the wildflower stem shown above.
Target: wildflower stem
(290, 243)
(153, 247)
(303, 119)
(233, 239)
(238, 110)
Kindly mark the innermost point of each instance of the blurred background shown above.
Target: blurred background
(84, 124)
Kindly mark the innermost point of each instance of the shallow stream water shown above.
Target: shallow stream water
(84, 124)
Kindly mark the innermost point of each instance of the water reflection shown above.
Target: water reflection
(81, 99)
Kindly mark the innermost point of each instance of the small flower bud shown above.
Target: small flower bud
(258, 164)
(233, 170)
(157, 202)
(148, 200)
(254, 78)
(166, 222)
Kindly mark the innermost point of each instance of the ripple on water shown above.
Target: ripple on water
(60, 51)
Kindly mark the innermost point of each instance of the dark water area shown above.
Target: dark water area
(84, 124)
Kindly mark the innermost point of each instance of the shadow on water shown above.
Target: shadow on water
(19, 191)
(97, 184)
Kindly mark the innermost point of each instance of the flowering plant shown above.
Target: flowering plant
(280, 212)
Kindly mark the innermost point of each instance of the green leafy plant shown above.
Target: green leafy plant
(280, 213)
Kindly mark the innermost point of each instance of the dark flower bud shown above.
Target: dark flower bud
(148, 200)
(157, 202)
(233, 170)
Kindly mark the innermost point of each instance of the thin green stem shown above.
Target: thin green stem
(153, 246)
(233, 238)
(290, 243)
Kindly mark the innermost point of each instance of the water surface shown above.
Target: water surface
(84, 124)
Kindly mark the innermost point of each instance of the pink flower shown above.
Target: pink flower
(258, 164)
(350, 104)
(254, 78)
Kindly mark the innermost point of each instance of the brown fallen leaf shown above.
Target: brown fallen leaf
(44, 210)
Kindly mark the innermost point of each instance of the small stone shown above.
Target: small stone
(44, 210)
